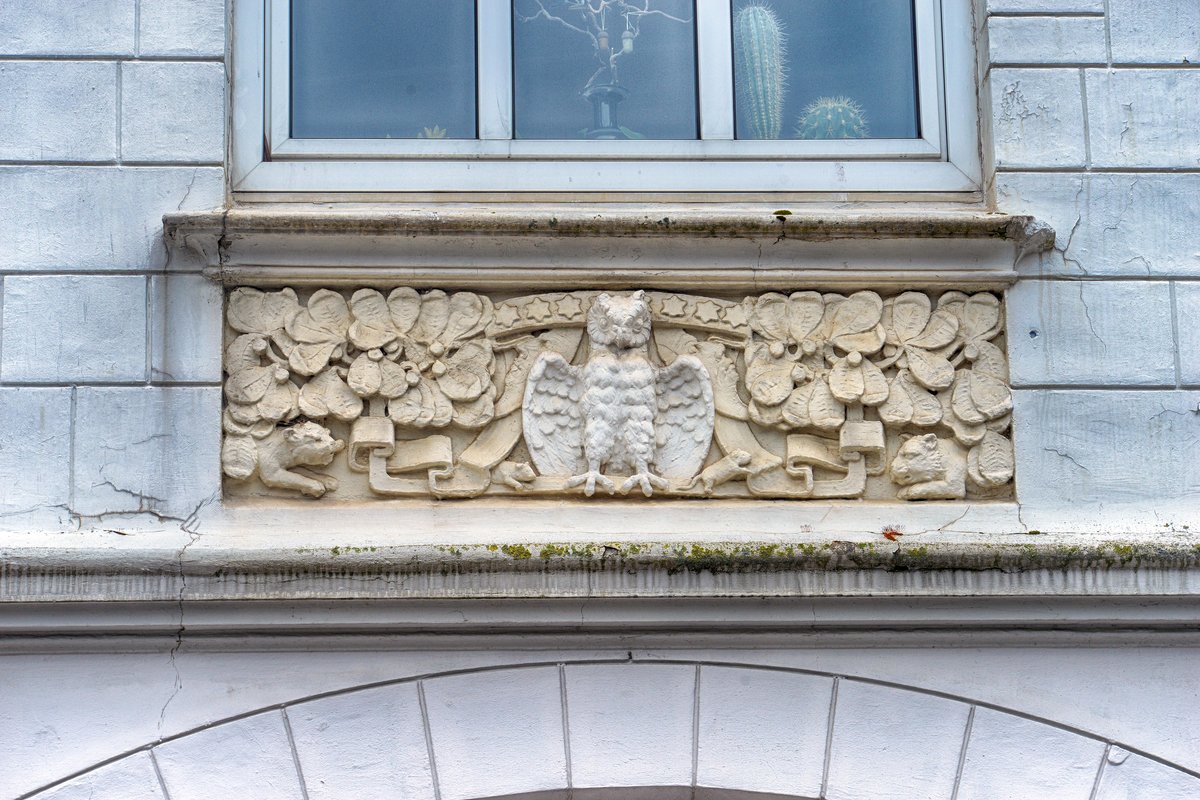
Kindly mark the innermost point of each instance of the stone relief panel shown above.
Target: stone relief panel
(407, 393)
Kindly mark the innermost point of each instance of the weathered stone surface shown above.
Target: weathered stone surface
(497, 734)
(61, 328)
(912, 743)
(800, 396)
(58, 110)
(254, 757)
(1046, 6)
(95, 218)
(1187, 318)
(1046, 40)
(1009, 758)
(368, 745)
(185, 328)
(131, 778)
(1091, 332)
(1144, 117)
(172, 112)
(67, 27)
(1128, 776)
(1145, 31)
(1037, 118)
(181, 28)
(35, 452)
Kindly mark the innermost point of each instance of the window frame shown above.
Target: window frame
(265, 159)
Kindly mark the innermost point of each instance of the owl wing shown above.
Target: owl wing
(683, 423)
(552, 416)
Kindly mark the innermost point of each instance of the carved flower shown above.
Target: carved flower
(259, 386)
(914, 334)
(317, 333)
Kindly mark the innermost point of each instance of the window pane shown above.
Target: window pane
(604, 69)
(382, 69)
(824, 69)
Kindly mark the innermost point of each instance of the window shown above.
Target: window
(607, 96)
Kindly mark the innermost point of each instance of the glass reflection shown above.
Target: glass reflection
(824, 69)
(383, 69)
(604, 69)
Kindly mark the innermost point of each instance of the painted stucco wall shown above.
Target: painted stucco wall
(112, 114)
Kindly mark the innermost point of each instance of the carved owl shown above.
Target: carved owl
(618, 412)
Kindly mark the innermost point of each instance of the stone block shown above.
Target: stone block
(58, 111)
(1132, 777)
(247, 758)
(1187, 317)
(185, 328)
(497, 733)
(187, 28)
(1037, 118)
(911, 742)
(146, 449)
(1087, 447)
(1046, 40)
(1046, 6)
(762, 731)
(131, 778)
(630, 724)
(1153, 31)
(96, 218)
(1114, 224)
(35, 449)
(67, 27)
(366, 745)
(1091, 332)
(172, 111)
(1012, 758)
(60, 328)
(1144, 117)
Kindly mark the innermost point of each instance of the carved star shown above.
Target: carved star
(507, 315)
(708, 311)
(538, 311)
(674, 306)
(735, 316)
(569, 306)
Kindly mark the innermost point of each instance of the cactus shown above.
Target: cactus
(758, 48)
(832, 118)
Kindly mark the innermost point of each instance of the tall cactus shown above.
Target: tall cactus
(832, 118)
(758, 48)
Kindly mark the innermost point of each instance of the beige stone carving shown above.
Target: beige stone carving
(807, 395)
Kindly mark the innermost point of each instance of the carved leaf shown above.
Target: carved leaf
(324, 320)
(824, 410)
(309, 359)
(372, 326)
(768, 379)
(795, 410)
(767, 416)
(253, 311)
(897, 410)
(989, 360)
(435, 311)
(249, 384)
(328, 395)
(941, 330)
(475, 414)
(413, 408)
(846, 381)
(929, 369)
(875, 387)
(404, 304)
(465, 316)
(855, 324)
(364, 377)
(468, 372)
(967, 434)
(981, 314)
(990, 396)
(806, 309)
(905, 316)
(242, 354)
(961, 402)
(770, 317)
(239, 456)
(394, 379)
(990, 463)
(281, 402)
(245, 414)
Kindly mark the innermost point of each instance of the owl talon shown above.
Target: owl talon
(646, 481)
(589, 480)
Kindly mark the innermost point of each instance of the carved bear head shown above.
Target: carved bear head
(919, 460)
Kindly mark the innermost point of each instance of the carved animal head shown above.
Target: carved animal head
(311, 444)
(620, 322)
(920, 460)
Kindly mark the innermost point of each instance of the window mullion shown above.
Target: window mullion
(714, 61)
(493, 28)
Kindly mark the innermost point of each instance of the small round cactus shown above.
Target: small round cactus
(832, 118)
(759, 52)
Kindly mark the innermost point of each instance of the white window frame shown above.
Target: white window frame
(265, 159)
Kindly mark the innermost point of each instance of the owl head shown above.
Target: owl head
(619, 322)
